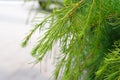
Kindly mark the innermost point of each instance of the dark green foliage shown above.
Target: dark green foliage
(110, 68)
(85, 29)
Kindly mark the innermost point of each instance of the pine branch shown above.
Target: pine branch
(85, 34)
(110, 68)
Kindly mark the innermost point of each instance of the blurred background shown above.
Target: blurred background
(17, 17)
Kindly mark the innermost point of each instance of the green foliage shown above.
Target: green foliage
(110, 68)
(85, 30)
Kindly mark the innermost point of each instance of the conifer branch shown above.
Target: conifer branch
(24, 43)
(85, 32)
(71, 12)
